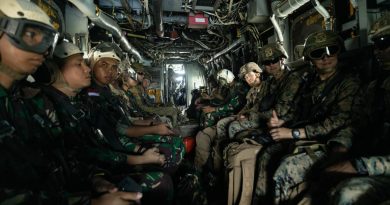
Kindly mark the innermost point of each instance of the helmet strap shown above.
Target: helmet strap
(11, 73)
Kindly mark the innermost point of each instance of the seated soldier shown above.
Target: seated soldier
(136, 93)
(206, 138)
(110, 116)
(34, 166)
(323, 109)
(365, 178)
(246, 118)
(234, 100)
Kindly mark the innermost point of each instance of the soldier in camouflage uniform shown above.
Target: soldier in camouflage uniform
(282, 87)
(110, 116)
(325, 105)
(370, 168)
(207, 138)
(234, 100)
(78, 131)
(245, 119)
(137, 94)
(35, 168)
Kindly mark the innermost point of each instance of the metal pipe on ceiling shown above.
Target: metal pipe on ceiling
(158, 18)
(88, 8)
(324, 13)
(231, 46)
(277, 29)
(285, 8)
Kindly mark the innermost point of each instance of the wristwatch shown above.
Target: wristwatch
(295, 133)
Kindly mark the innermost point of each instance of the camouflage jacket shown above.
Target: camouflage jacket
(282, 93)
(253, 98)
(376, 121)
(107, 113)
(81, 136)
(35, 166)
(235, 100)
(333, 110)
(138, 99)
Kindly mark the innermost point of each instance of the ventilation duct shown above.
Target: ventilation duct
(102, 20)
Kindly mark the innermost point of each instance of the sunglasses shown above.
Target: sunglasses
(141, 73)
(382, 43)
(321, 52)
(270, 62)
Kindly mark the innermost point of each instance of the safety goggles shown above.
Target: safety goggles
(321, 52)
(382, 43)
(270, 62)
(30, 36)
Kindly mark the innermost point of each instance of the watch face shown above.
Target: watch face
(295, 133)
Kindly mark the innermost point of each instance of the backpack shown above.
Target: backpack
(240, 159)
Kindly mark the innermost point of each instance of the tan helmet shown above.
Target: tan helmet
(322, 39)
(251, 66)
(138, 67)
(272, 51)
(22, 9)
(66, 49)
(103, 50)
(380, 27)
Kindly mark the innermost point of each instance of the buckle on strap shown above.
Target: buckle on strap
(78, 115)
(6, 129)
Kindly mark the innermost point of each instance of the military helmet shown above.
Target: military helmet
(19, 16)
(272, 51)
(104, 50)
(22, 9)
(251, 66)
(138, 67)
(380, 27)
(320, 43)
(225, 76)
(66, 49)
(126, 70)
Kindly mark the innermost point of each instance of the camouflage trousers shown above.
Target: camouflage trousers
(241, 125)
(171, 147)
(223, 125)
(165, 111)
(229, 126)
(267, 162)
(210, 119)
(362, 190)
(289, 177)
(157, 187)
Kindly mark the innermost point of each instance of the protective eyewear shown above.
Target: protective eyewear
(321, 52)
(30, 36)
(141, 73)
(382, 43)
(270, 62)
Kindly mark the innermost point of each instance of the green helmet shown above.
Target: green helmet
(381, 27)
(320, 40)
(272, 51)
(251, 66)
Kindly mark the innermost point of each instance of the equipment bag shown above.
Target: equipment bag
(240, 162)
